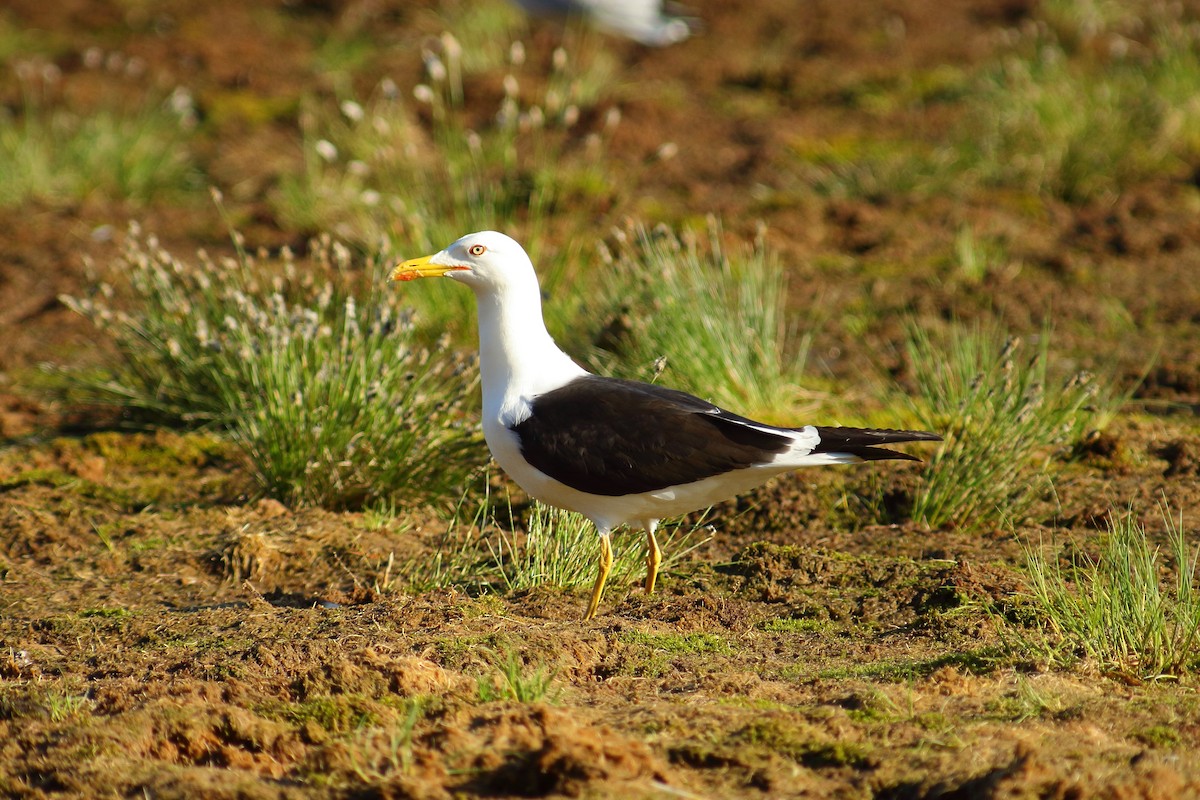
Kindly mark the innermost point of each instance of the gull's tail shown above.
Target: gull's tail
(863, 444)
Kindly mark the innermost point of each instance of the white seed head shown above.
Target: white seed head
(352, 111)
(326, 150)
(434, 67)
(451, 47)
(423, 94)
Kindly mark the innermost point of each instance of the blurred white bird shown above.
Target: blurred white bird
(643, 21)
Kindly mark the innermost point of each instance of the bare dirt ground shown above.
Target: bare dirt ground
(165, 634)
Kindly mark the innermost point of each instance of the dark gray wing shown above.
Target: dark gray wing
(614, 437)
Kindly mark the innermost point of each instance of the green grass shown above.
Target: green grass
(976, 256)
(491, 545)
(855, 166)
(411, 169)
(378, 750)
(1084, 103)
(711, 322)
(61, 707)
(330, 399)
(57, 155)
(1083, 127)
(1132, 612)
(512, 679)
(1024, 702)
(1002, 414)
(561, 548)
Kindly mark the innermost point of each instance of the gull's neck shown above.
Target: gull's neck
(517, 358)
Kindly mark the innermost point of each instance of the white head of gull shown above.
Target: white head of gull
(617, 451)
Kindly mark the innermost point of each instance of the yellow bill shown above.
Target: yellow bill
(420, 268)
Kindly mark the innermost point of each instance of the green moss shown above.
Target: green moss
(241, 106)
(106, 613)
(483, 606)
(336, 714)
(977, 662)
(454, 651)
(788, 625)
(803, 744)
(1159, 736)
(51, 477)
(159, 452)
(934, 722)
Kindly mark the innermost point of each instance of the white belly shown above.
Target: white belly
(608, 512)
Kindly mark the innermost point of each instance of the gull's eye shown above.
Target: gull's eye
(476, 249)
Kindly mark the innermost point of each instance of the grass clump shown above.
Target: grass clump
(331, 400)
(410, 170)
(51, 153)
(505, 548)
(715, 321)
(1083, 127)
(1001, 413)
(1118, 612)
(413, 168)
(560, 548)
(513, 680)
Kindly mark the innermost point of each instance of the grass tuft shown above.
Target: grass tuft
(1001, 413)
(716, 322)
(560, 548)
(1118, 612)
(51, 153)
(499, 547)
(331, 399)
(414, 168)
(513, 680)
(1050, 121)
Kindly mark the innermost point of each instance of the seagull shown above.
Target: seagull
(616, 451)
(643, 21)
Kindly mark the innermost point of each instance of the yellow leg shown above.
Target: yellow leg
(653, 558)
(605, 567)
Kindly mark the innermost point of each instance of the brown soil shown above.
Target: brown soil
(165, 634)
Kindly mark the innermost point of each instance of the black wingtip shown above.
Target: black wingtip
(865, 442)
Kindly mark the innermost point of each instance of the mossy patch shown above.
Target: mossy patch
(335, 714)
(803, 744)
(1159, 736)
(824, 584)
(975, 662)
(792, 625)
